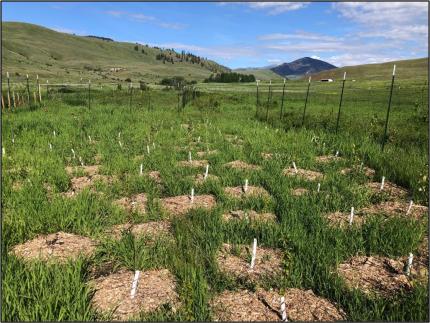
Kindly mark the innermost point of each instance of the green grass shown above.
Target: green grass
(311, 248)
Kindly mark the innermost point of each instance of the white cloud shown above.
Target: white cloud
(315, 57)
(298, 35)
(361, 58)
(276, 8)
(145, 18)
(274, 61)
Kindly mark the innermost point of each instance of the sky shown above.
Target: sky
(248, 34)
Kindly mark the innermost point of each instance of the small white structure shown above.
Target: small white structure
(326, 80)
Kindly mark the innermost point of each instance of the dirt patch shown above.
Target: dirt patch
(250, 215)
(88, 170)
(138, 158)
(80, 183)
(154, 289)
(98, 158)
(58, 246)
(179, 205)
(299, 191)
(303, 173)
(378, 276)
(328, 159)
(199, 179)
(193, 163)
(207, 153)
(17, 185)
(236, 260)
(241, 306)
(155, 176)
(234, 139)
(252, 191)
(238, 164)
(302, 305)
(391, 189)
(395, 208)
(136, 203)
(267, 156)
(151, 230)
(341, 219)
(368, 172)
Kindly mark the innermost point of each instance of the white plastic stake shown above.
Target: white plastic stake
(295, 167)
(189, 157)
(198, 139)
(337, 153)
(408, 268)
(361, 166)
(54, 133)
(254, 253)
(89, 138)
(73, 152)
(318, 187)
(141, 170)
(50, 146)
(81, 161)
(119, 135)
(147, 149)
(310, 77)
(120, 143)
(351, 216)
(3, 151)
(245, 187)
(7, 74)
(134, 283)
(394, 70)
(153, 145)
(206, 171)
(382, 183)
(192, 195)
(283, 310)
(409, 207)
(344, 75)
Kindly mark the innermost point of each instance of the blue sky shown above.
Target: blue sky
(248, 34)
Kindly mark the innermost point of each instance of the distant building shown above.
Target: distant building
(326, 80)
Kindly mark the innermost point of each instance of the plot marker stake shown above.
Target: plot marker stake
(73, 152)
(295, 167)
(134, 284)
(283, 310)
(141, 170)
(409, 207)
(318, 187)
(408, 268)
(245, 187)
(351, 216)
(192, 195)
(50, 146)
(206, 171)
(147, 149)
(382, 183)
(254, 253)
(189, 157)
(81, 161)
(3, 151)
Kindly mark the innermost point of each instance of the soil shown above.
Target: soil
(193, 163)
(155, 176)
(151, 230)
(154, 289)
(393, 190)
(395, 208)
(302, 305)
(374, 276)
(241, 306)
(341, 219)
(58, 247)
(238, 164)
(136, 203)
(199, 179)
(267, 156)
(206, 153)
(179, 205)
(328, 159)
(252, 191)
(299, 191)
(88, 170)
(268, 262)
(80, 183)
(304, 173)
(368, 172)
(420, 263)
(250, 215)
(234, 139)
(98, 158)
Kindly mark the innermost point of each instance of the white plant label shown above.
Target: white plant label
(361, 166)
(408, 268)
(192, 195)
(147, 149)
(318, 187)
(134, 283)
(394, 69)
(337, 153)
(7, 74)
(81, 161)
(73, 152)
(50, 146)
(120, 143)
(206, 171)
(153, 145)
(198, 139)
(351, 216)
(283, 310)
(3, 151)
(54, 133)
(245, 187)
(141, 169)
(254, 253)
(409, 207)
(382, 183)
(295, 167)
(119, 135)
(189, 157)
(89, 138)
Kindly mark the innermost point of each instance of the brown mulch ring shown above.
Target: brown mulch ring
(378, 276)
(341, 219)
(299, 191)
(268, 262)
(250, 215)
(193, 163)
(155, 176)
(88, 170)
(80, 183)
(420, 263)
(179, 205)
(199, 179)
(368, 172)
(17, 185)
(238, 164)
(267, 156)
(154, 289)
(134, 203)
(304, 173)
(151, 230)
(391, 189)
(238, 192)
(302, 305)
(394, 208)
(235, 139)
(59, 246)
(328, 159)
(240, 306)
(98, 158)
(206, 153)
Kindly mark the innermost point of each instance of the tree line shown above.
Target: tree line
(230, 77)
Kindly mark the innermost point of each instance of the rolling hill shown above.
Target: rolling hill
(32, 49)
(405, 69)
(302, 66)
(259, 73)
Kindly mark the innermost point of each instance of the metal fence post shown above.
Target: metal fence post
(340, 102)
(306, 101)
(388, 110)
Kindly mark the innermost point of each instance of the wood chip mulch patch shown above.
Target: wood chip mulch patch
(59, 247)
(379, 276)
(395, 208)
(193, 163)
(155, 176)
(250, 215)
(154, 289)
(341, 219)
(393, 190)
(420, 263)
(238, 192)
(302, 305)
(299, 191)
(234, 139)
(151, 230)
(179, 205)
(199, 179)
(241, 306)
(236, 262)
(304, 173)
(238, 164)
(328, 159)
(135, 203)
(267, 156)
(90, 170)
(367, 171)
(207, 153)
(80, 183)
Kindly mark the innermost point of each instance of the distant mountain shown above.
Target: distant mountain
(302, 66)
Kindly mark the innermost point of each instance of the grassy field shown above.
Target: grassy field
(33, 176)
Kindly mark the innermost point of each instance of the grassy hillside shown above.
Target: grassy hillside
(406, 69)
(260, 74)
(31, 49)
